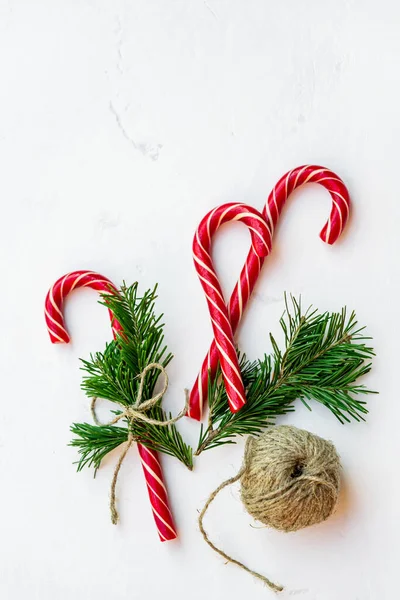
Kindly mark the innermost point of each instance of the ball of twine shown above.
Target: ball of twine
(290, 479)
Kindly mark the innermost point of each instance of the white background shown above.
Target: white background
(121, 124)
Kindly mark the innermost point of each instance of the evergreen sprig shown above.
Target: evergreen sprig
(114, 375)
(324, 356)
(94, 443)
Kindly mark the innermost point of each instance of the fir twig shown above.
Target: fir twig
(114, 375)
(325, 354)
(94, 442)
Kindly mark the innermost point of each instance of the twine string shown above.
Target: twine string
(136, 412)
(229, 559)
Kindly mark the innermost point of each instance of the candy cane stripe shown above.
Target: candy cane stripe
(223, 216)
(228, 361)
(312, 175)
(211, 273)
(240, 297)
(286, 182)
(200, 244)
(269, 218)
(53, 302)
(217, 308)
(211, 215)
(331, 179)
(52, 319)
(260, 237)
(159, 497)
(76, 282)
(163, 521)
(339, 212)
(342, 198)
(301, 171)
(209, 284)
(53, 334)
(154, 475)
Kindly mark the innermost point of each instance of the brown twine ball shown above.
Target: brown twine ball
(290, 479)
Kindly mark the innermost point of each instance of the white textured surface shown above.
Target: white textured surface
(122, 123)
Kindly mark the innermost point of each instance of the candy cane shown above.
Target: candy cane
(220, 320)
(251, 270)
(58, 334)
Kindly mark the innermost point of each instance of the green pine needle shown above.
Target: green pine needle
(94, 442)
(114, 375)
(325, 354)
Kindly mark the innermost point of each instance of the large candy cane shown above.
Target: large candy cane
(220, 320)
(58, 334)
(251, 270)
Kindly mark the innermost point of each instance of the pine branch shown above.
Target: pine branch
(325, 354)
(114, 375)
(94, 442)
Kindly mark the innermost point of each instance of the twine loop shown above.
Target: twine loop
(136, 412)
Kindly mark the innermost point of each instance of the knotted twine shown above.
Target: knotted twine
(136, 412)
(289, 480)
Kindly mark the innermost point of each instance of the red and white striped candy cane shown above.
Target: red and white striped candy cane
(58, 334)
(220, 320)
(251, 270)
(60, 290)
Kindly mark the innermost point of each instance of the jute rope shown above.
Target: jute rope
(268, 582)
(136, 412)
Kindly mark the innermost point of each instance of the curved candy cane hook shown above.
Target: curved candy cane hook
(220, 320)
(312, 174)
(58, 334)
(60, 290)
(251, 270)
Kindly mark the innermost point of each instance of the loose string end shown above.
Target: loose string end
(273, 586)
(113, 507)
(114, 515)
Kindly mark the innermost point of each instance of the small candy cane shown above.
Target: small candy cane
(251, 270)
(58, 334)
(220, 320)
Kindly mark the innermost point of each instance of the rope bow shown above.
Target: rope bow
(136, 412)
